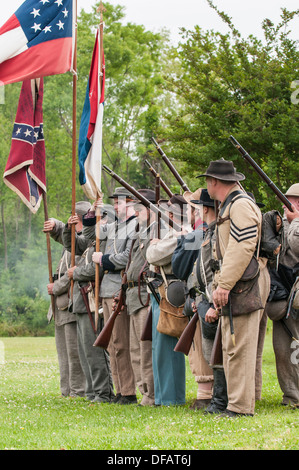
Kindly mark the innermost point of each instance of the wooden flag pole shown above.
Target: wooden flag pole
(49, 252)
(74, 151)
(101, 9)
(35, 90)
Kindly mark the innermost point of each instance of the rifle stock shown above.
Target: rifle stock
(104, 337)
(184, 343)
(170, 166)
(84, 291)
(261, 173)
(147, 329)
(216, 355)
(142, 199)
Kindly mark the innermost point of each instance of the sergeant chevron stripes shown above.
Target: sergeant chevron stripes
(243, 234)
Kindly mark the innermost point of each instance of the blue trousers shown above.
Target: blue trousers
(168, 366)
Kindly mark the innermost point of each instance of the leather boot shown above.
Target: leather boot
(219, 399)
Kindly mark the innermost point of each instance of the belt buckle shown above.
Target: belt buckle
(130, 284)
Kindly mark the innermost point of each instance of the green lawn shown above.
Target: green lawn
(33, 416)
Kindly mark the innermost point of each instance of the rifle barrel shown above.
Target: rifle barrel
(162, 183)
(262, 174)
(170, 165)
(142, 199)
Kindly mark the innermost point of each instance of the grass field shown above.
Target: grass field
(34, 417)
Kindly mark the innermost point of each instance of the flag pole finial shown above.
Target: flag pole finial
(101, 10)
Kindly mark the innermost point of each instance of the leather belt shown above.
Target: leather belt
(132, 284)
(151, 274)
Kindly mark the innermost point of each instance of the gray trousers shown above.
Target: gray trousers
(287, 360)
(95, 361)
(141, 357)
(72, 378)
(119, 350)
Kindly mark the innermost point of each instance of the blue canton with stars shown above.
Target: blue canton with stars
(45, 20)
(27, 133)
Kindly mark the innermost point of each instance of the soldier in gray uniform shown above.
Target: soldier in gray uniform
(113, 259)
(72, 379)
(137, 299)
(285, 349)
(95, 361)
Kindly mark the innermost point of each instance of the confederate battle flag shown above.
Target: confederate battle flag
(25, 168)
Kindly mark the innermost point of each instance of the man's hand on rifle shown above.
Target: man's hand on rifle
(97, 257)
(212, 315)
(70, 272)
(115, 303)
(291, 215)
(49, 225)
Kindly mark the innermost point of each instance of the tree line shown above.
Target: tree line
(191, 97)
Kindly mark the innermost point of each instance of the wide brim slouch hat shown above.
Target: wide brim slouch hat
(82, 207)
(123, 193)
(293, 190)
(223, 170)
(192, 198)
(149, 194)
(175, 205)
(204, 199)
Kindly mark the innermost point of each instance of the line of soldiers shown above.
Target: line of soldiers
(227, 264)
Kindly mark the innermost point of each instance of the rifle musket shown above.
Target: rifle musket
(170, 166)
(143, 199)
(148, 164)
(162, 182)
(262, 174)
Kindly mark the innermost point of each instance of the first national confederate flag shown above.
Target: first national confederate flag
(38, 40)
(25, 168)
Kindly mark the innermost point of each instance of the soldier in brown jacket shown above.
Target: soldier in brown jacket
(237, 240)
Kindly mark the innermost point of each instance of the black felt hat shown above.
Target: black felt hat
(149, 194)
(176, 204)
(204, 199)
(223, 170)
